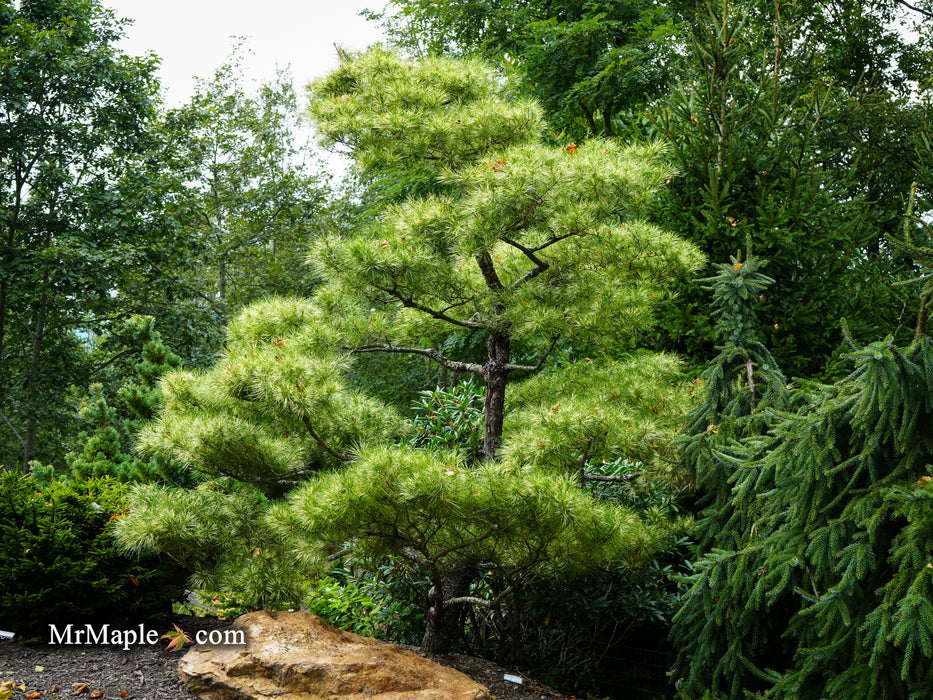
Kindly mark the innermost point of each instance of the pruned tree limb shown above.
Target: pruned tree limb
(430, 353)
(339, 554)
(469, 599)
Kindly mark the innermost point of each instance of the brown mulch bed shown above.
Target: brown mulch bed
(492, 676)
(149, 672)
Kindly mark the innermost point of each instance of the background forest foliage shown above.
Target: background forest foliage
(616, 326)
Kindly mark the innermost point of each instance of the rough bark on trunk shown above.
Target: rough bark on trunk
(445, 622)
(496, 376)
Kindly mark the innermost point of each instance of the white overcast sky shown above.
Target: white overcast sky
(193, 37)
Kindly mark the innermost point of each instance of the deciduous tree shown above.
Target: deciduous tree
(591, 65)
(248, 190)
(74, 111)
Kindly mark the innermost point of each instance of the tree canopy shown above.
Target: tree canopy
(74, 111)
(528, 244)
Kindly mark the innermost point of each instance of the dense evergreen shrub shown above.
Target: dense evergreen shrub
(450, 419)
(60, 564)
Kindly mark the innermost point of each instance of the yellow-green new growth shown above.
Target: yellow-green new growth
(434, 113)
(275, 409)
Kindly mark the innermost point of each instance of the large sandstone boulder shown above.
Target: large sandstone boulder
(297, 656)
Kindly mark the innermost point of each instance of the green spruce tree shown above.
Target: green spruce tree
(815, 577)
(738, 388)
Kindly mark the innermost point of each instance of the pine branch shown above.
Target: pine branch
(464, 545)
(486, 266)
(534, 368)
(537, 249)
(469, 599)
(339, 554)
(424, 352)
(540, 265)
(409, 303)
(458, 304)
(485, 602)
(341, 456)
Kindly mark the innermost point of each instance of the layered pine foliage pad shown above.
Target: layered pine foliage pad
(815, 574)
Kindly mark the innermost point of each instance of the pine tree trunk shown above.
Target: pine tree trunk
(496, 376)
(445, 622)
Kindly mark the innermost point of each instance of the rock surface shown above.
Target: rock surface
(300, 657)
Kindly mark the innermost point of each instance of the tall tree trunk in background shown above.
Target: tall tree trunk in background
(19, 179)
(32, 378)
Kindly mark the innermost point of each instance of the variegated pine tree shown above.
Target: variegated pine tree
(521, 244)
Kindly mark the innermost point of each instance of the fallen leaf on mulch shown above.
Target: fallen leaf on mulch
(80, 688)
